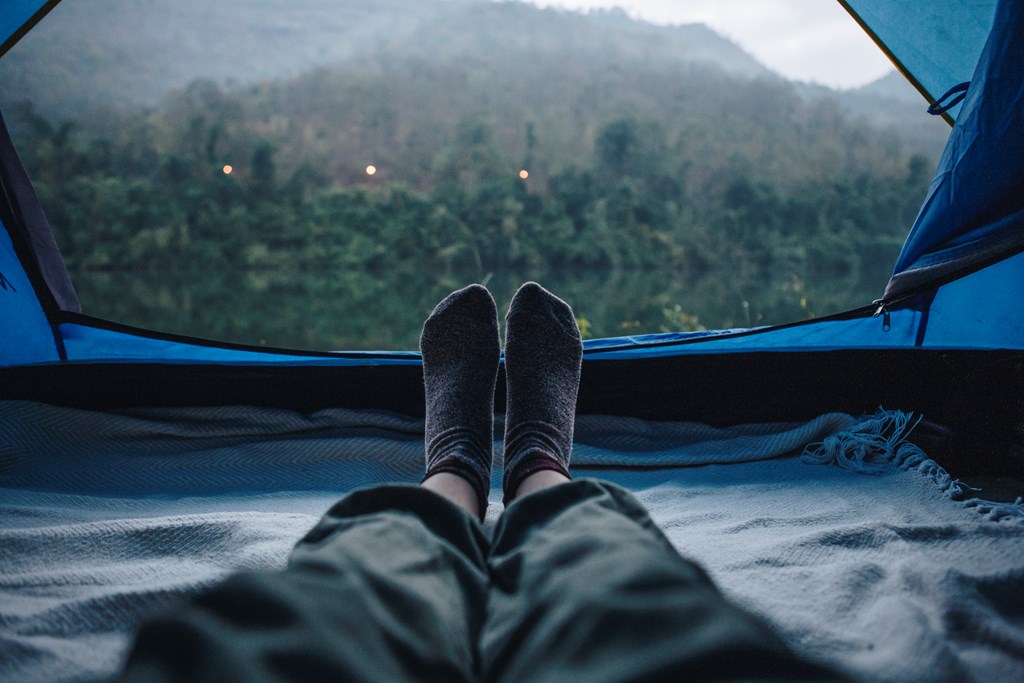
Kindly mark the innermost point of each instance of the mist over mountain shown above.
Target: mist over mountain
(97, 55)
(410, 85)
(125, 53)
(339, 84)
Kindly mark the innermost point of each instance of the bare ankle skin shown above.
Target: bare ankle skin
(454, 488)
(539, 481)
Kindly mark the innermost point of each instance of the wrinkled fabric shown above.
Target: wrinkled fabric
(397, 584)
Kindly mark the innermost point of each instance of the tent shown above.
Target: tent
(945, 339)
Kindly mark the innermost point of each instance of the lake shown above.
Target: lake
(365, 310)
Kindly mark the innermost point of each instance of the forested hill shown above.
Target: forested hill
(339, 84)
(644, 146)
(89, 53)
(97, 54)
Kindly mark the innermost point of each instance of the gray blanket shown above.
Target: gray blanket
(899, 576)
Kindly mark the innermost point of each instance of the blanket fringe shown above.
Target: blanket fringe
(879, 444)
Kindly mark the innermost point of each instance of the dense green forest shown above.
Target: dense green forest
(634, 157)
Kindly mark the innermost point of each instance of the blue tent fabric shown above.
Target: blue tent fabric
(26, 335)
(974, 210)
(33, 280)
(936, 44)
(19, 15)
(862, 332)
(982, 310)
(88, 343)
(29, 232)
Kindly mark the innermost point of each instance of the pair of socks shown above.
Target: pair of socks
(461, 352)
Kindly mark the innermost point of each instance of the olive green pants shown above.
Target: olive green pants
(397, 584)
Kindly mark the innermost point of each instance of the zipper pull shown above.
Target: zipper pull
(883, 311)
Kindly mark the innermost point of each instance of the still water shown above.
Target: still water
(363, 310)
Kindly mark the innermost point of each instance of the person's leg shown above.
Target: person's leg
(543, 352)
(455, 489)
(538, 481)
(460, 352)
(392, 584)
(584, 585)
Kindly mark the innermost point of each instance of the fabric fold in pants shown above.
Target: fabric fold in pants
(390, 585)
(395, 583)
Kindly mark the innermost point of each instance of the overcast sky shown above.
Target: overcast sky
(808, 40)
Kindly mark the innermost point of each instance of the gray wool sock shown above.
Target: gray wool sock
(543, 352)
(460, 349)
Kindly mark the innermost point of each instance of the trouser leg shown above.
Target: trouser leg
(391, 585)
(585, 587)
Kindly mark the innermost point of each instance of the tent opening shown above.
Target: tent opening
(317, 177)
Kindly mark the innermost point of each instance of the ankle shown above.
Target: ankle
(538, 481)
(455, 489)
(539, 468)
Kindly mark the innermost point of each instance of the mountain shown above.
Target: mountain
(430, 92)
(129, 53)
(92, 56)
(891, 103)
(893, 87)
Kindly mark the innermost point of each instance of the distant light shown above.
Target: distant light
(524, 174)
(227, 169)
(371, 169)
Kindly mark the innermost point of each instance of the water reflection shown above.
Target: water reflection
(363, 310)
